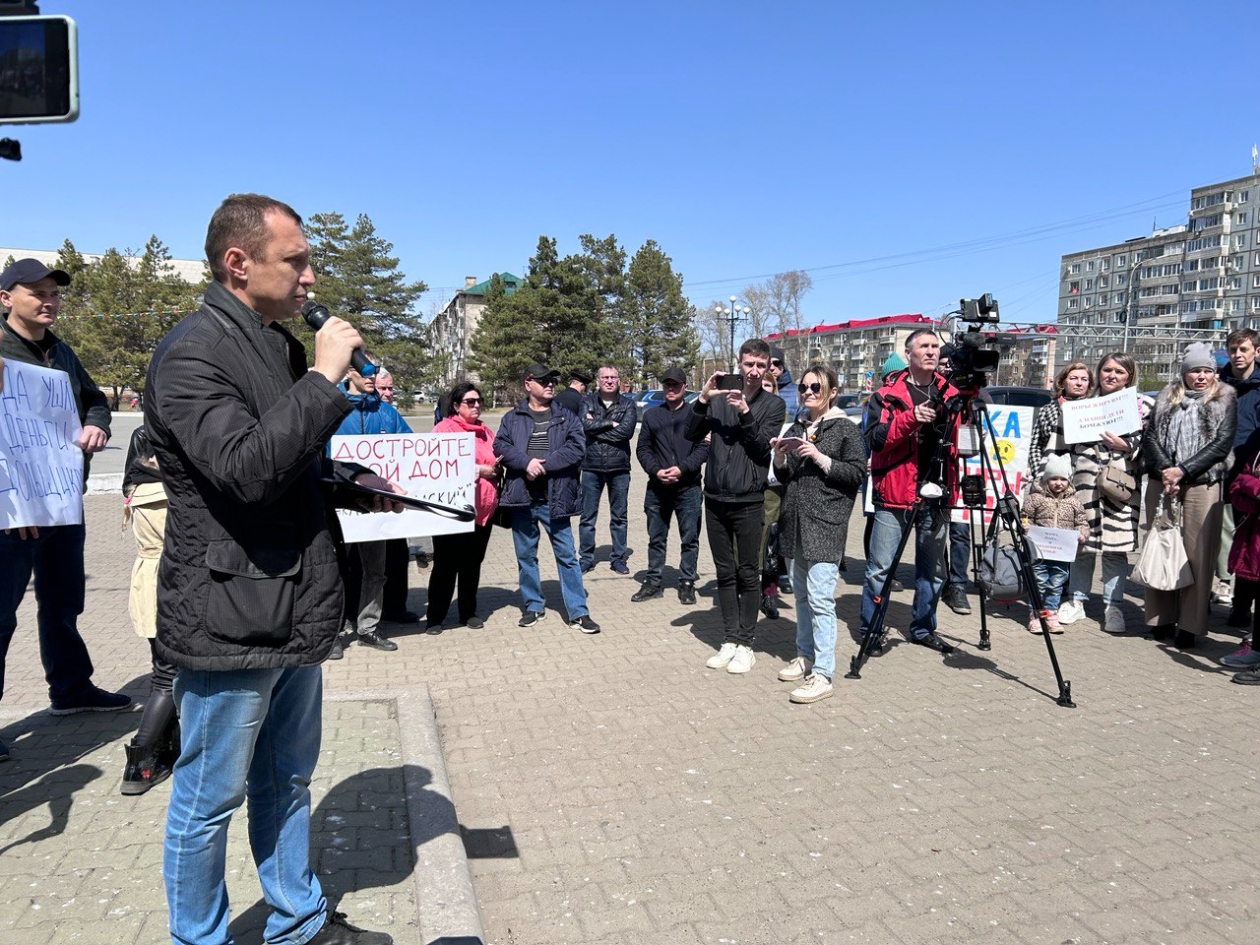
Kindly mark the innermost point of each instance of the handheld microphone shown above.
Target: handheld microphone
(315, 315)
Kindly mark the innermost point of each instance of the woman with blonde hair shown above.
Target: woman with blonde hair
(1113, 525)
(1188, 450)
(1074, 382)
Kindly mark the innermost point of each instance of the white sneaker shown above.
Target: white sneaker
(1071, 612)
(816, 687)
(1223, 594)
(1113, 620)
(722, 656)
(742, 661)
(798, 669)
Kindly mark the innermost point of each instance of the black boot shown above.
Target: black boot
(150, 756)
(144, 769)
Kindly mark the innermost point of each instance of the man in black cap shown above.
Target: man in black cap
(30, 293)
(542, 448)
(673, 464)
(572, 396)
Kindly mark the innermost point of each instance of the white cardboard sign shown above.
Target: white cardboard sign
(1085, 421)
(41, 464)
(439, 467)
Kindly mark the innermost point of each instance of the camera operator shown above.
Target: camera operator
(907, 421)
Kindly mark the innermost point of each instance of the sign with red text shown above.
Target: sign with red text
(41, 464)
(1085, 421)
(437, 467)
(1007, 436)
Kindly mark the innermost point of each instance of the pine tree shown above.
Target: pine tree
(661, 322)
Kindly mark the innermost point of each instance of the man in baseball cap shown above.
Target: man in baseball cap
(30, 294)
(542, 449)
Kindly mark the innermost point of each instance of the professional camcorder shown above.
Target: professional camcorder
(972, 352)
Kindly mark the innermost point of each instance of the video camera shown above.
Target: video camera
(971, 353)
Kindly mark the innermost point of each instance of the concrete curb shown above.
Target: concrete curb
(446, 902)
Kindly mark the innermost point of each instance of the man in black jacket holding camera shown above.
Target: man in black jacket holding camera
(742, 422)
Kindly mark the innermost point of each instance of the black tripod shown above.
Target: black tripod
(1005, 515)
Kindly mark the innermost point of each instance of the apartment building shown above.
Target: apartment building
(1153, 295)
(451, 331)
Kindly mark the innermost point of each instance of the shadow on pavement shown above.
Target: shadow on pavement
(363, 839)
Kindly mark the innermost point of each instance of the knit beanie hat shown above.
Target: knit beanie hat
(895, 362)
(1198, 355)
(1058, 466)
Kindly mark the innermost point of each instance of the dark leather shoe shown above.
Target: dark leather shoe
(1163, 631)
(687, 593)
(769, 607)
(377, 642)
(933, 642)
(785, 584)
(337, 931)
(337, 651)
(646, 592)
(1185, 640)
(402, 616)
(474, 623)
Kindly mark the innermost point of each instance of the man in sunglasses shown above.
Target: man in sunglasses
(542, 448)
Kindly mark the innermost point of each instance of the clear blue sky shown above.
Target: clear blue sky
(973, 142)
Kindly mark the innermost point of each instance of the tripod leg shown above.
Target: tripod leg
(976, 551)
(873, 641)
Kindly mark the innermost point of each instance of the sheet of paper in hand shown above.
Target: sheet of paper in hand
(438, 467)
(41, 465)
(1085, 421)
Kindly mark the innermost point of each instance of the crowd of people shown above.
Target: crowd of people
(244, 586)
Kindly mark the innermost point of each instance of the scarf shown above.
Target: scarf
(1185, 429)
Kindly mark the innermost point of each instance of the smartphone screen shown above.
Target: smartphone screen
(731, 382)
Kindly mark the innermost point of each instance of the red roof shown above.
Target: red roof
(906, 319)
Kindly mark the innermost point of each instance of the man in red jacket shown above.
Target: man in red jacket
(908, 421)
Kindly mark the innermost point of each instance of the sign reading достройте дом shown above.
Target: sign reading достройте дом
(41, 465)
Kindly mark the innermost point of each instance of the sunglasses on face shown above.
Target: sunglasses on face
(813, 388)
(471, 402)
(549, 382)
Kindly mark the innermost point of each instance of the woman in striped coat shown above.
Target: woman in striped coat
(1113, 526)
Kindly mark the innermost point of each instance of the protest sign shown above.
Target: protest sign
(438, 467)
(1007, 435)
(1054, 544)
(1085, 421)
(41, 465)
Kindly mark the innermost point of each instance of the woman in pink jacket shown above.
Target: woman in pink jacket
(459, 557)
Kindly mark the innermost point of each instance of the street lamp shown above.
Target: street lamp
(732, 313)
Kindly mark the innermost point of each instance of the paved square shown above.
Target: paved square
(612, 790)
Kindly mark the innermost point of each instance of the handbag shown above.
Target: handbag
(1115, 481)
(1163, 564)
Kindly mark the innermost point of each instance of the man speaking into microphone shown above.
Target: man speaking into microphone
(249, 592)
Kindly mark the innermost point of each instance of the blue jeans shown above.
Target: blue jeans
(247, 735)
(816, 612)
(659, 504)
(930, 528)
(959, 553)
(593, 483)
(56, 558)
(1115, 570)
(1051, 577)
(525, 524)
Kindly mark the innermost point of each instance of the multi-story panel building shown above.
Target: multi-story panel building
(451, 331)
(1153, 295)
